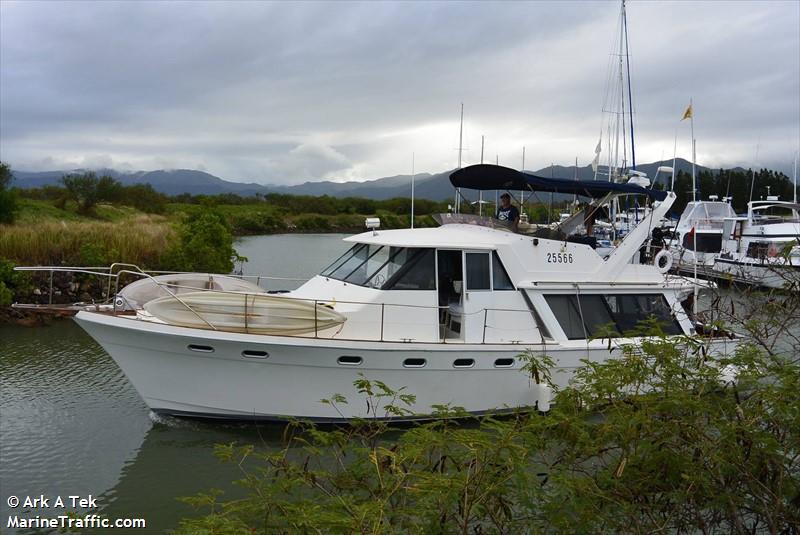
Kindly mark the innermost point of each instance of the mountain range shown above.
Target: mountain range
(435, 187)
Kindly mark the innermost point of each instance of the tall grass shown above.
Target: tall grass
(140, 240)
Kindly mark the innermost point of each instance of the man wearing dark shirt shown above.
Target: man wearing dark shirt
(506, 212)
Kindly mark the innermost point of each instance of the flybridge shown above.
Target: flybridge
(496, 177)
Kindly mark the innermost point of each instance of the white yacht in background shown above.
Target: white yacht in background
(697, 240)
(763, 248)
(445, 312)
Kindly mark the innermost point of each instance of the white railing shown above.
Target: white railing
(360, 325)
(113, 276)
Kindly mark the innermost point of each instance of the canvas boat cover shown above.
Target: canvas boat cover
(496, 177)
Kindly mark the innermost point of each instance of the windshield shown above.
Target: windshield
(385, 267)
(707, 211)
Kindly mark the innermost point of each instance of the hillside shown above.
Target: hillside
(427, 186)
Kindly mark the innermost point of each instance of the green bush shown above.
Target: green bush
(83, 189)
(144, 198)
(8, 197)
(12, 282)
(312, 223)
(348, 222)
(205, 244)
(8, 206)
(255, 222)
(652, 441)
(95, 255)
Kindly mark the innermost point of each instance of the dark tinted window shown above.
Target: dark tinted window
(706, 243)
(353, 262)
(596, 315)
(565, 308)
(758, 249)
(386, 268)
(478, 271)
(500, 279)
(418, 273)
(601, 315)
(341, 260)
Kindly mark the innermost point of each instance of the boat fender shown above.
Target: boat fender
(544, 396)
(663, 261)
(729, 374)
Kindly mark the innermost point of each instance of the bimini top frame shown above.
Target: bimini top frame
(496, 177)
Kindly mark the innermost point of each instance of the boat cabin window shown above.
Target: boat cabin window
(706, 243)
(478, 277)
(385, 267)
(758, 249)
(587, 316)
(349, 262)
(500, 278)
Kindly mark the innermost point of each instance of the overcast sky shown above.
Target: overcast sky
(288, 92)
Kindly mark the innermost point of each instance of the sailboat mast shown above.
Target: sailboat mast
(575, 196)
(521, 192)
(630, 93)
(694, 155)
(794, 189)
(622, 90)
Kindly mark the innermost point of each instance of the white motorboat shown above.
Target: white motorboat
(762, 249)
(445, 312)
(697, 240)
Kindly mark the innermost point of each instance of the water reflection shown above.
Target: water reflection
(69, 419)
(71, 424)
(176, 459)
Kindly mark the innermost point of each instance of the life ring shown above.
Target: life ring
(663, 261)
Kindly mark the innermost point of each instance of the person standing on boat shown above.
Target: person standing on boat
(507, 212)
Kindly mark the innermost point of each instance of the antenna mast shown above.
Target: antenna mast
(413, 175)
(480, 192)
(460, 149)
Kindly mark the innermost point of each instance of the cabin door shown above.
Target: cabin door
(479, 300)
(450, 277)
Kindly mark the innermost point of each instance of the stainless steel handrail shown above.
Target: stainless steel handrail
(112, 272)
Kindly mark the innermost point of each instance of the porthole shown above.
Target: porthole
(201, 349)
(254, 354)
(348, 360)
(414, 363)
(463, 363)
(504, 363)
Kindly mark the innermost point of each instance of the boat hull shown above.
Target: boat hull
(285, 377)
(776, 274)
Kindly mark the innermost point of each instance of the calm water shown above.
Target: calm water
(71, 424)
(290, 257)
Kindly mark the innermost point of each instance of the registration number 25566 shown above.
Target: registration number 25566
(559, 258)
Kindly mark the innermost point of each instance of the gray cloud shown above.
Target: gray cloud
(288, 92)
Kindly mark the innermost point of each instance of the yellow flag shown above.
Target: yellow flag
(688, 113)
